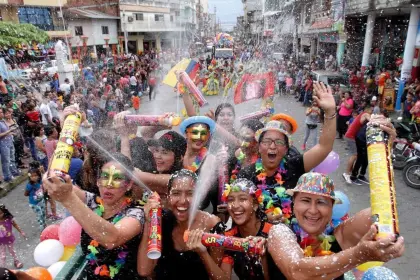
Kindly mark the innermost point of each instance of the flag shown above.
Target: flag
(188, 65)
(254, 86)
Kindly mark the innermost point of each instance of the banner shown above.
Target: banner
(254, 86)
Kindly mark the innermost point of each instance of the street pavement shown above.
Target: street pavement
(406, 267)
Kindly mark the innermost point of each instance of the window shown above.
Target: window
(78, 30)
(177, 13)
(308, 14)
(105, 30)
(159, 17)
(40, 17)
(139, 16)
(172, 18)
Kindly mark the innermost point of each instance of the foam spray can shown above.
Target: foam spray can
(154, 244)
(153, 120)
(381, 176)
(228, 243)
(60, 162)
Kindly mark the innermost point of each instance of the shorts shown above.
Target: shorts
(351, 146)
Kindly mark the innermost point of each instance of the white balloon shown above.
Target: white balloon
(55, 268)
(48, 252)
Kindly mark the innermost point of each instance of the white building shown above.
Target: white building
(157, 24)
(94, 25)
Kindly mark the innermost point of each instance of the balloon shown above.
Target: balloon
(341, 206)
(367, 265)
(55, 268)
(329, 164)
(70, 232)
(379, 273)
(68, 252)
(48, 252)
(39, 273)
(50, 232)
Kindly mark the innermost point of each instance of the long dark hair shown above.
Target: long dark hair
(183, 173)
(6, 212)
(37, 172)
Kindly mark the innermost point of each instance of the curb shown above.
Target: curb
(7, 187)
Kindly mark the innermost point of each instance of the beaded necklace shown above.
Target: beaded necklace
(269, 196)
(307, 242)
(105, 270)
(198, 160)
(239, 161)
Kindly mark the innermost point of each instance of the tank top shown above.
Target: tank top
(354, 127)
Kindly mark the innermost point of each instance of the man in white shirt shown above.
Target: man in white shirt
(53, 108)
(66, 88)
(281, 77)
(45, 112)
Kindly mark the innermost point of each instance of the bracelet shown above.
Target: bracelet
(332, 117)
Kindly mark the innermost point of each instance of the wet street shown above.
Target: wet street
(408, 199)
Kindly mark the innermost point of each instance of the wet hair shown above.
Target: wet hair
(49, 130)
(183, 173)
(221, 107)
(6, 274)
(6, 212)
(253, 124)
(35, 165)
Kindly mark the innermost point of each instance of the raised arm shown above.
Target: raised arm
(94, 225)
(156, 182)
(319, 152)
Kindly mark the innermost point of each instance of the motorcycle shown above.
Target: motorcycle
(411, 172)
(402, 151)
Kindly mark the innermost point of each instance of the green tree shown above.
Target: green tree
(12, 34)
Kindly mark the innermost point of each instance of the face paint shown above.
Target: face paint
(112, 178)
(199, 132)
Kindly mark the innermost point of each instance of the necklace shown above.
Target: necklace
(273, 198)
(198, 160)
(240, 160)
(94, 249)
(307, 242)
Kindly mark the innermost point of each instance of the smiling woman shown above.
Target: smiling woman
(181, 260)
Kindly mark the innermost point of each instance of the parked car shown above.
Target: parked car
(330, 78)
(224, 53)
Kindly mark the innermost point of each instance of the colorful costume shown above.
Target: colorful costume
(212, 86)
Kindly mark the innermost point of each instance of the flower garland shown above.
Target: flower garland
(306, 241)
(198, 160)
(240, 159)
(105, 270)
(270, 195)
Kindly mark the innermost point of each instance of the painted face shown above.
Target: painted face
(112, 177)
(272, 148)
(113, 183)
(198, 132)
(180, 197)
(241, 207)
(313, 212)
(164, 159)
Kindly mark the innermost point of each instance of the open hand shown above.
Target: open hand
(324, 98)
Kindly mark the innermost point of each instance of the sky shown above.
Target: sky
(226, 11)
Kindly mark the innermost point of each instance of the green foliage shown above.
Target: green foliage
(12, 34)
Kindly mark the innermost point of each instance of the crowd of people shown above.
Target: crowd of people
(269, 193)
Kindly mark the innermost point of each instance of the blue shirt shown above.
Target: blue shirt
(75, 167)
(36, 193)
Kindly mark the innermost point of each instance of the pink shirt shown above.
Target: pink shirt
(344, 111)
(50, 146)
(289, 81)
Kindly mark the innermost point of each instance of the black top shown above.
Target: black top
(175, 265)
(249, 267)
(294, 167)
(108, 257)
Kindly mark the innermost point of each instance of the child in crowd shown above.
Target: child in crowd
(41, 153)
(7, 239)
(136, 102)
(36, 196)
(354, 115)
(289, 83)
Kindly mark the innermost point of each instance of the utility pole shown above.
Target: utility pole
(215, 22)
(125, 33)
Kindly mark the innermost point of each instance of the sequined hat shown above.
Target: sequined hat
(315, 183)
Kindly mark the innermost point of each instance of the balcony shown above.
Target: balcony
(46, 3)
(150, 25)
